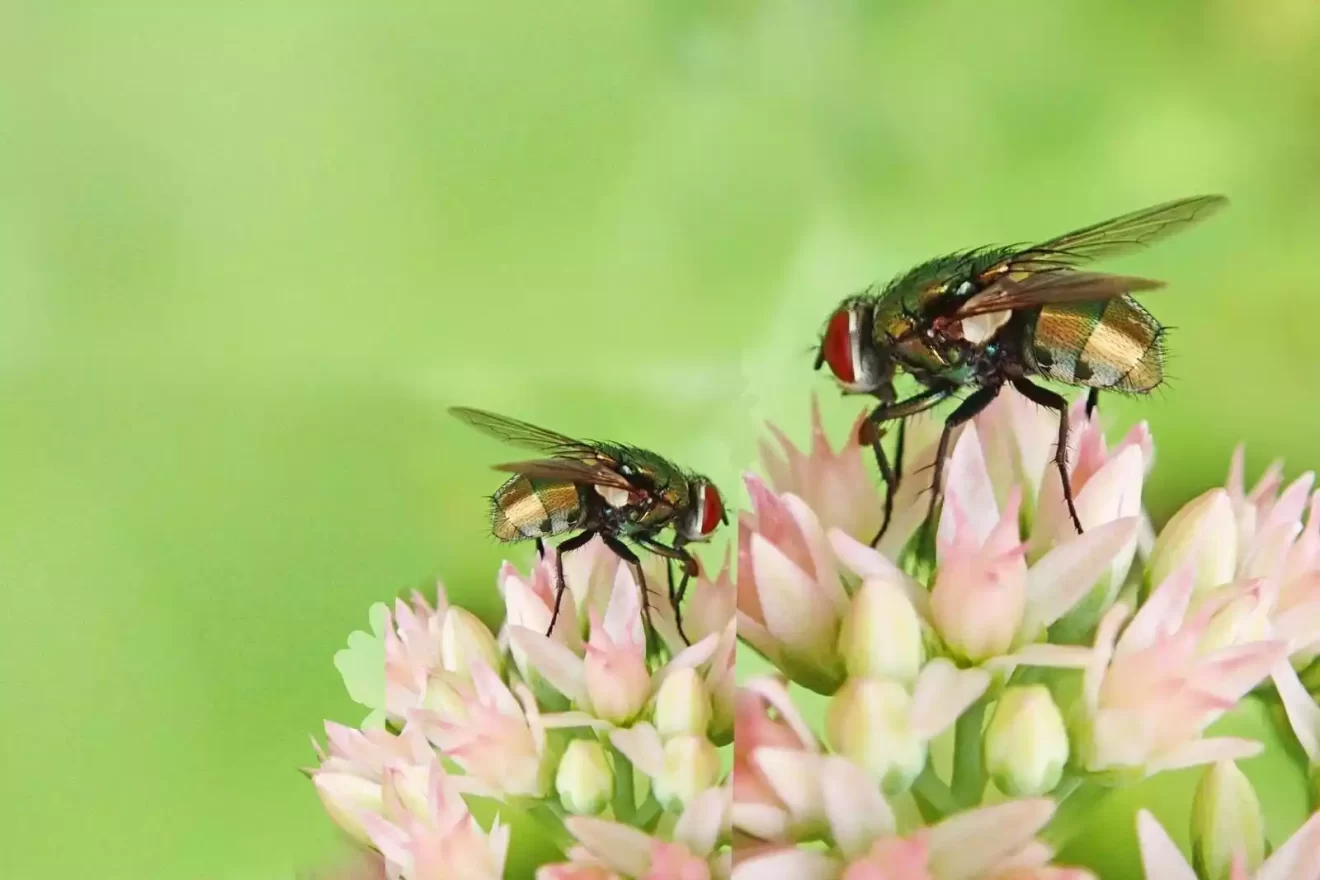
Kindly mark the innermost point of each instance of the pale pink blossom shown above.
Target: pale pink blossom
(1148, 690)
(986, 601)
(1297, 859)
(990, 842)
(692, 851)
(838, 486)
(424, 644)
(757, 809)
(440, 842)
(497, 735)
(613, 682)
(353, 768)
(790, 596)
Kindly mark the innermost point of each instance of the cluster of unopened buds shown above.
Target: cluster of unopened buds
(952, 704)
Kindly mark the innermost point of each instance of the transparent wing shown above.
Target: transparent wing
(568, 471)
(1120, 235)
(521, 433)
(1057, 286)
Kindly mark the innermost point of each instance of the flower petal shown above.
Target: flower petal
(799, 864)
(1064, 575)
(1210, 750)
(868, 564)
(556, 663)
(965, 845)
(1160, 857)
(793, 609)
(942, 693)
(1303, 714)
(968, 489)
(795, 777)
(857, 813)
(641, 745)
(703, 821)
(620, 847)
(1298, 858)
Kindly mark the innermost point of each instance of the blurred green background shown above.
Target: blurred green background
(249, 252)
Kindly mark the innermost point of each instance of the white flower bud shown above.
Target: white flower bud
(881, 635)
(870, 722)
(584, 780)
(1226, 822)
(1026, 742)
(346, 797)
(1204, 526)
(683, 705)
(691, 765)
(464, 638)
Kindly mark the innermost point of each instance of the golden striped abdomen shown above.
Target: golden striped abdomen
(1114, 344)
(529, 508)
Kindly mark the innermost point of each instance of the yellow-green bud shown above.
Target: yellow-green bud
(584, 780)
(1226, 822)
(683, 705)
(869, 721)
(691, 765)
(464, 638)
(1204, 526)
(1026, 742)
(881, 634)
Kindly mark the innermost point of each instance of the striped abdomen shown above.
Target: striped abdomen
(1113, 344)
(525, 507)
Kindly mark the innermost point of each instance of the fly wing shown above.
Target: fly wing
(568, 470)
(1056, 286)
(1121, 235)
(528, 436)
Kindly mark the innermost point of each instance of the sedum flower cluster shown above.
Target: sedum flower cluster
(952, 704)
(989, 680)
(614, 755)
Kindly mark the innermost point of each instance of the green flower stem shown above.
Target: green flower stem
(549, 820)
(1076, 809)
(933, 797)
(968, 769)
(648, 815)
(625, 801)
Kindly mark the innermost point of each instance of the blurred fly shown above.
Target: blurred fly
(620, 493)
(995, 316)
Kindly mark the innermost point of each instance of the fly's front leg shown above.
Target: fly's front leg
(680, 554)
(869, 435)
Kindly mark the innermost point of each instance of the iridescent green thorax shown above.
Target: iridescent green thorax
(672, 484)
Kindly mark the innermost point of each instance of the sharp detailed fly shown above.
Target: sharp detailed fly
(621, 493)
(982, 319)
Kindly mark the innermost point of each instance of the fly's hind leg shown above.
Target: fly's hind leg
(560, 584)
(1047, 398)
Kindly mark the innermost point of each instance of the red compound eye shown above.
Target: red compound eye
(837, 346)
(714, 512)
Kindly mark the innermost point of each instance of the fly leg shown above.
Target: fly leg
(869, 435)
(677, 552)
(1092, 400)
(1047, 398)
(624, 552)
(975, 402)
(540, 549)
(560, 584)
